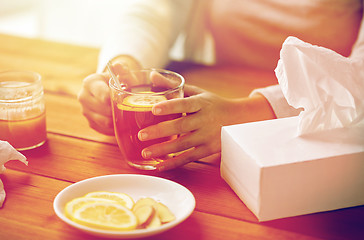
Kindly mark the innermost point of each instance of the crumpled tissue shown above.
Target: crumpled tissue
(308, 163)
(328, 86)
(7, 153)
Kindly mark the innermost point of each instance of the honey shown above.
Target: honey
(22, 110)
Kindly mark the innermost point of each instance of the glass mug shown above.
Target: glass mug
(132, 102)
(22, 110)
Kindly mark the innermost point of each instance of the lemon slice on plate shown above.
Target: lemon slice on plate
(121, 198)
(77, 203)
(140, 102)
(106, 215)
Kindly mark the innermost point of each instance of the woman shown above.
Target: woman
(244, 33)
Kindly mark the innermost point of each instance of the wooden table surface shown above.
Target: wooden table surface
(74, 152)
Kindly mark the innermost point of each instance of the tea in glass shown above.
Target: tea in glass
(132, 111)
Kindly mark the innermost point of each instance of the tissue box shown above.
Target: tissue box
(278, 174)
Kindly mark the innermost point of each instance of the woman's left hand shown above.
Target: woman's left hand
(199, 130)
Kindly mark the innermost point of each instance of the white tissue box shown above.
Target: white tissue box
(277, 174)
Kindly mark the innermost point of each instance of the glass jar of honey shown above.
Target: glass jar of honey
(22, 109)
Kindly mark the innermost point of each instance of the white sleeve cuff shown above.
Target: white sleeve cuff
(146, 30)
(277, 101)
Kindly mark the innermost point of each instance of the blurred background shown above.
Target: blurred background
(81, 22)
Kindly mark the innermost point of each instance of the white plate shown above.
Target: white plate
(177, 198)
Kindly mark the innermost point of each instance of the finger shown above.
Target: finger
(126, 76)
(100, 123)
(182, 159)
(90, 101)
(169, 128)
(96, 86)
(168, 82)
(191, 90)
(178, 105)
(179, 144)
(173, 82)
(94, 106)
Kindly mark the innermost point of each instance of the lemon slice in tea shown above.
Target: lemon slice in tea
(140, 102)
(106, 215)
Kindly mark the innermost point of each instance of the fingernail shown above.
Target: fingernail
(146, 154)
(157, 111)
(142, 136)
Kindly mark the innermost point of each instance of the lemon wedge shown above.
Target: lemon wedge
(105, 215)
(122, 198)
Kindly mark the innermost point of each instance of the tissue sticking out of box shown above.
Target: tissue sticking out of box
(328, 86)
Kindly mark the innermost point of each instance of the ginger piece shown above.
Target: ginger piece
(164, 214)
(144, 214)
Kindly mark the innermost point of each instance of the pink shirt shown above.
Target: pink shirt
(251, 33)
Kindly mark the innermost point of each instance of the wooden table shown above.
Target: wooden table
(74, 152)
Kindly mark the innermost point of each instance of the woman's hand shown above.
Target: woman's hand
(199, 129)
(95, 95)
(95, 102)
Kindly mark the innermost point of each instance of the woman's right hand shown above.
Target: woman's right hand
(95, 102)
(95, 95)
